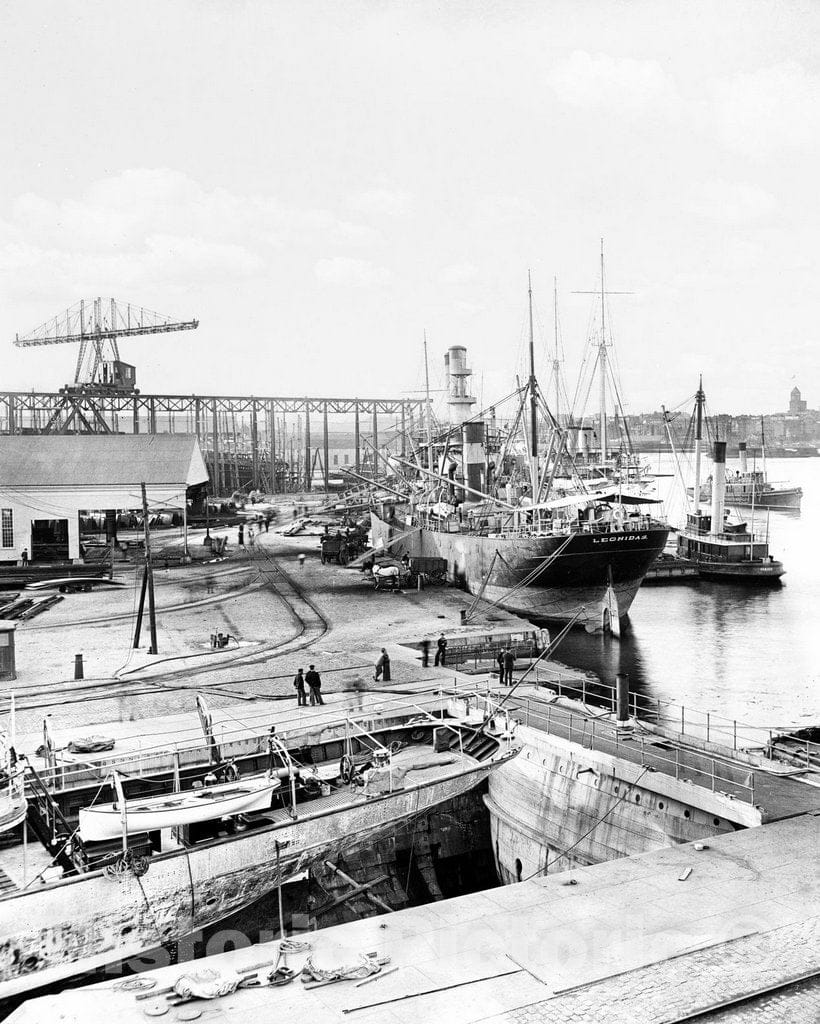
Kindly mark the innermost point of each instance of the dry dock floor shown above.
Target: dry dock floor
(651, 938)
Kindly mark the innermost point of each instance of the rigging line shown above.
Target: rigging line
(482, 588)
(413, 841)
(600, 820)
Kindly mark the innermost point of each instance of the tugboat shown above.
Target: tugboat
(751, 488)
(722, 550)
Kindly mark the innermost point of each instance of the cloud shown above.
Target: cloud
(769, 109)
(736, 203)
(382, 202)
(618, 84)
(352, 273)
(150, 225)
(458, 273)
(504, 209)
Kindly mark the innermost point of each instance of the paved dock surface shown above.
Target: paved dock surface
(651, 938)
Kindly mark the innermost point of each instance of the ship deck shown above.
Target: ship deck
(777, 790)
(21, 865)
(656, 937)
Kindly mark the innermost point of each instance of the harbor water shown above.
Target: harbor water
(742, 652)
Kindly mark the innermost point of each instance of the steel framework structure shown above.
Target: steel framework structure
(218, 421)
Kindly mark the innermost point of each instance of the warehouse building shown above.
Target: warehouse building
(48, 481)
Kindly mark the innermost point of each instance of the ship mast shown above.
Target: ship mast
(602, 362)
(428, 414)
(556, 363)
(533, 406)
(698, 438)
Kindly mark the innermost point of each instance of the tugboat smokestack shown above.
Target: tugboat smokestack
(718, 486)
(744, 464)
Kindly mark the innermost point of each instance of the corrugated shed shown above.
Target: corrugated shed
(84, 460)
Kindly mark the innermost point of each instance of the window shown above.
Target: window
(347, 460)
(335, 460)
(6, 528)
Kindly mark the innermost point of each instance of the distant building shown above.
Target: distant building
(796, 404)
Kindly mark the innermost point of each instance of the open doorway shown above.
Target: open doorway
(49, 540)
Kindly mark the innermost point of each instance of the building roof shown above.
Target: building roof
(107, 460)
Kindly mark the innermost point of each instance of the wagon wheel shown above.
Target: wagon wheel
(347, 769)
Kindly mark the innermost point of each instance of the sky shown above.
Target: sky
(321, 183)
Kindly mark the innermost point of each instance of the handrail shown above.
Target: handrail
(612, 735)
(249, 731)
(50, 810)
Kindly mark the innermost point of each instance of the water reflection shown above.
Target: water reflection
(740, 652)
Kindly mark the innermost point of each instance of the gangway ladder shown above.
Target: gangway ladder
(49, 824)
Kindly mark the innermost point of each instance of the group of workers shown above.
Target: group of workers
(313, 681)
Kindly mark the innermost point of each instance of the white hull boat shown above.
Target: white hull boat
(173, 810)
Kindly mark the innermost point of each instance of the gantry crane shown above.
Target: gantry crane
(97, 325)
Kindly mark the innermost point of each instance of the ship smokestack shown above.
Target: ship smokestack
(718, 486)
(459, 398)
(744, 463)
(472, 448)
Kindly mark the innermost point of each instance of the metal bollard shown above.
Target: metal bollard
(622, 696)
(78, 666)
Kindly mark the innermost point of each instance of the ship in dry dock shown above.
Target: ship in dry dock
(142, 872)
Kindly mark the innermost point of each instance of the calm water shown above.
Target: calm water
(745, 653)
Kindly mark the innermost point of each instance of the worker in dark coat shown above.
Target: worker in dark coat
(500, 659)
(441, 650)
(314, 681)
(509, 665)
(383, 667)
(241, 535)
(301, 691)
(425, 653)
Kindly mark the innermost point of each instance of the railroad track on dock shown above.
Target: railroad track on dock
(311, 626)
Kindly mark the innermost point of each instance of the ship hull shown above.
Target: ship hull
(596, 575)
(53, 932)
(767, 575)
(742, 496)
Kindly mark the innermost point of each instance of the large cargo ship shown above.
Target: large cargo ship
(586, 569)
(516, 521)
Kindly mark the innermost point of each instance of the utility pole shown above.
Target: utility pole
(149, 575)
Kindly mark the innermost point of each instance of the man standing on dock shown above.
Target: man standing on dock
(500, 659)
(441, 651)
(315, 683)
(383, 667)
(301, 692)
(509, 665)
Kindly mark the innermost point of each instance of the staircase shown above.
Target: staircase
(477, 744)
(47, 822)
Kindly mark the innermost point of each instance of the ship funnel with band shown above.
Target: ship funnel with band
(473, 460)
(744, 462)
(718, 486)
(459, 398)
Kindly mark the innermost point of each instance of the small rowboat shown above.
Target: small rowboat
(106, 821)
(13, 803)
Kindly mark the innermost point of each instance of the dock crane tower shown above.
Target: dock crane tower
(97, 325)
